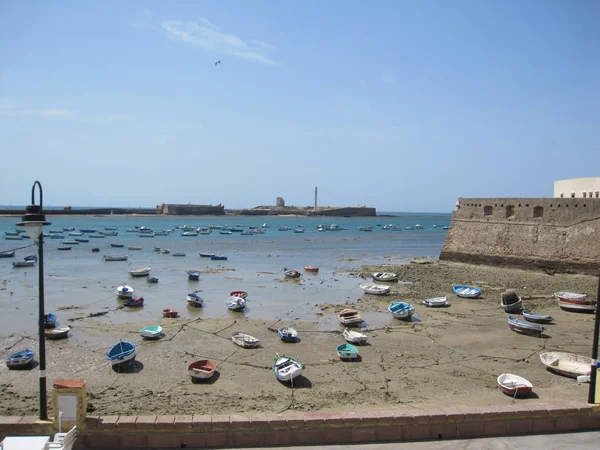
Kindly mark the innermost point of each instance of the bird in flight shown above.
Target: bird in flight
(218, 62)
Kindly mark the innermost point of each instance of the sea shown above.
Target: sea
(79, 282)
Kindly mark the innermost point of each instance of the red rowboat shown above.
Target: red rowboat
(514, 385)
(170, 313)
(311, 269)
(202, 369)
(242, 294)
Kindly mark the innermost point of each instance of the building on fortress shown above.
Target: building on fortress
(577, 188)
(556, 234)
(190, 210)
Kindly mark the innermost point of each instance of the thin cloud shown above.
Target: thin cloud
(206, 36)
(388, 77)
(8, 109)
(363, 84)
(262, 44)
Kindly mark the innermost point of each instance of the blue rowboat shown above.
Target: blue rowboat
(7, 254)
(401, 310)
(524, 327)
(49, 320)
(121, 353)
(194, 299)
(218, 257)
(19, 359)
(347, 351)
(466, 291)
(193, 276)
(539, 318)
(134, 302)
(287, 334)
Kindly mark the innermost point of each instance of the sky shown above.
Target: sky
(399, 105)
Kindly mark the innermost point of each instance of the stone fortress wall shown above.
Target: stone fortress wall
(559, 234)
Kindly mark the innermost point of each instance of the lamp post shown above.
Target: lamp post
(33, 221)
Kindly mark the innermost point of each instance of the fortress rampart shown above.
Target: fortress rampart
(560, 234)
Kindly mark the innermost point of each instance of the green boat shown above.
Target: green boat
(347, 351)
(151, 332)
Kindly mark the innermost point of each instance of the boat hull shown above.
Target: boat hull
(514, 385)
(567, 364)
(286, 368)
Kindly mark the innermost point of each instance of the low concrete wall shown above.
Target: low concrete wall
(257, 430)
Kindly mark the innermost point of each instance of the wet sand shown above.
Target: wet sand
(443, 356)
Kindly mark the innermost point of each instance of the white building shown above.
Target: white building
(577, 188)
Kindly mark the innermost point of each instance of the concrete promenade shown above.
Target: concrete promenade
(297, 429)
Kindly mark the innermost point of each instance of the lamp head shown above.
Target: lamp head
(33, 221)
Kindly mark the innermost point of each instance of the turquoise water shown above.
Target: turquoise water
(81, 278)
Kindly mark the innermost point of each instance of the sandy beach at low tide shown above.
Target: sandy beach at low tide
(443, 356)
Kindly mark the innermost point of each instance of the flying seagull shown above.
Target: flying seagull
(218, 62)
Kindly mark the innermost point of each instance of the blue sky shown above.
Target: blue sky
(400, 105)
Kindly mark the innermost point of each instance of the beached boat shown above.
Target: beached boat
(141, 272)
(95, 250)
(114, 258)
(539, 318)
(571, 296)
(235, 303)
(178, 253)
(170, 313)
(385, 276)
(401, 310)
(350, 317)
(347, 352)
(134, 248)
(354, 337)
(577, 306)
(70, 242)
(117, 245)
(287, 334)
(242, 294)
(57, 333)
(82, 240)
(514, 385)
(206, 255)
(375, 289)
(519, 326)
(311, 269)
(124, 291)
(7, 254)
(20, 359)
(152, 280)
(202, 369)
(466, 291)
(218, 257)
(31, 258)
(151, 332)
(63, 248)
(286, 368)
(121, 353)
(291, 273)
(511, 302)
(49, 320)
(134, 302)
(245, 340)
(194, 299)
(568, 364)
(23, 263)
(193, 275)
(436, 302)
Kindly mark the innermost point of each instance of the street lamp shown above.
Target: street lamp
(33, 221)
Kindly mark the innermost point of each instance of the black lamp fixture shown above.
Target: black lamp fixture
(33, 221)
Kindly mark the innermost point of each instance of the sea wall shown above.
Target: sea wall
(360, 211)
(190, 210)
(559, 234)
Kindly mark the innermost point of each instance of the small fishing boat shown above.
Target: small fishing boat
(206, 255)
(156, 249)
(193, 275)
(95, 250)
(401, 310)
(286, 368)
(202, 369)
(63, 248)
(114, 258)
(568, 364)
(70, 242)
(152, 280)
(436, 302)
(514, 385)
(141, 272)
(218, 257)
(137, 302)
(178, 253)
(23, 263)
(151, 332)
(287, 334)
(531, 329)
(539, 318)
(354, 337)
(117, 245)
(311, 269)
(49, 320)
(235, 303)
(571, 296)
(57, 333)
(347, 352)
(20, 359)
(194, 299)
(31, 258)
(291, 273)
(511, 302)
(577, 306)
(242, 294)
(245, 340)
(134, 248)
(385, 276)
(124, 292)
(466, 291)
(7, 254)
(121, 353)
(170, 313)
(375, 289)
(350, 317)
